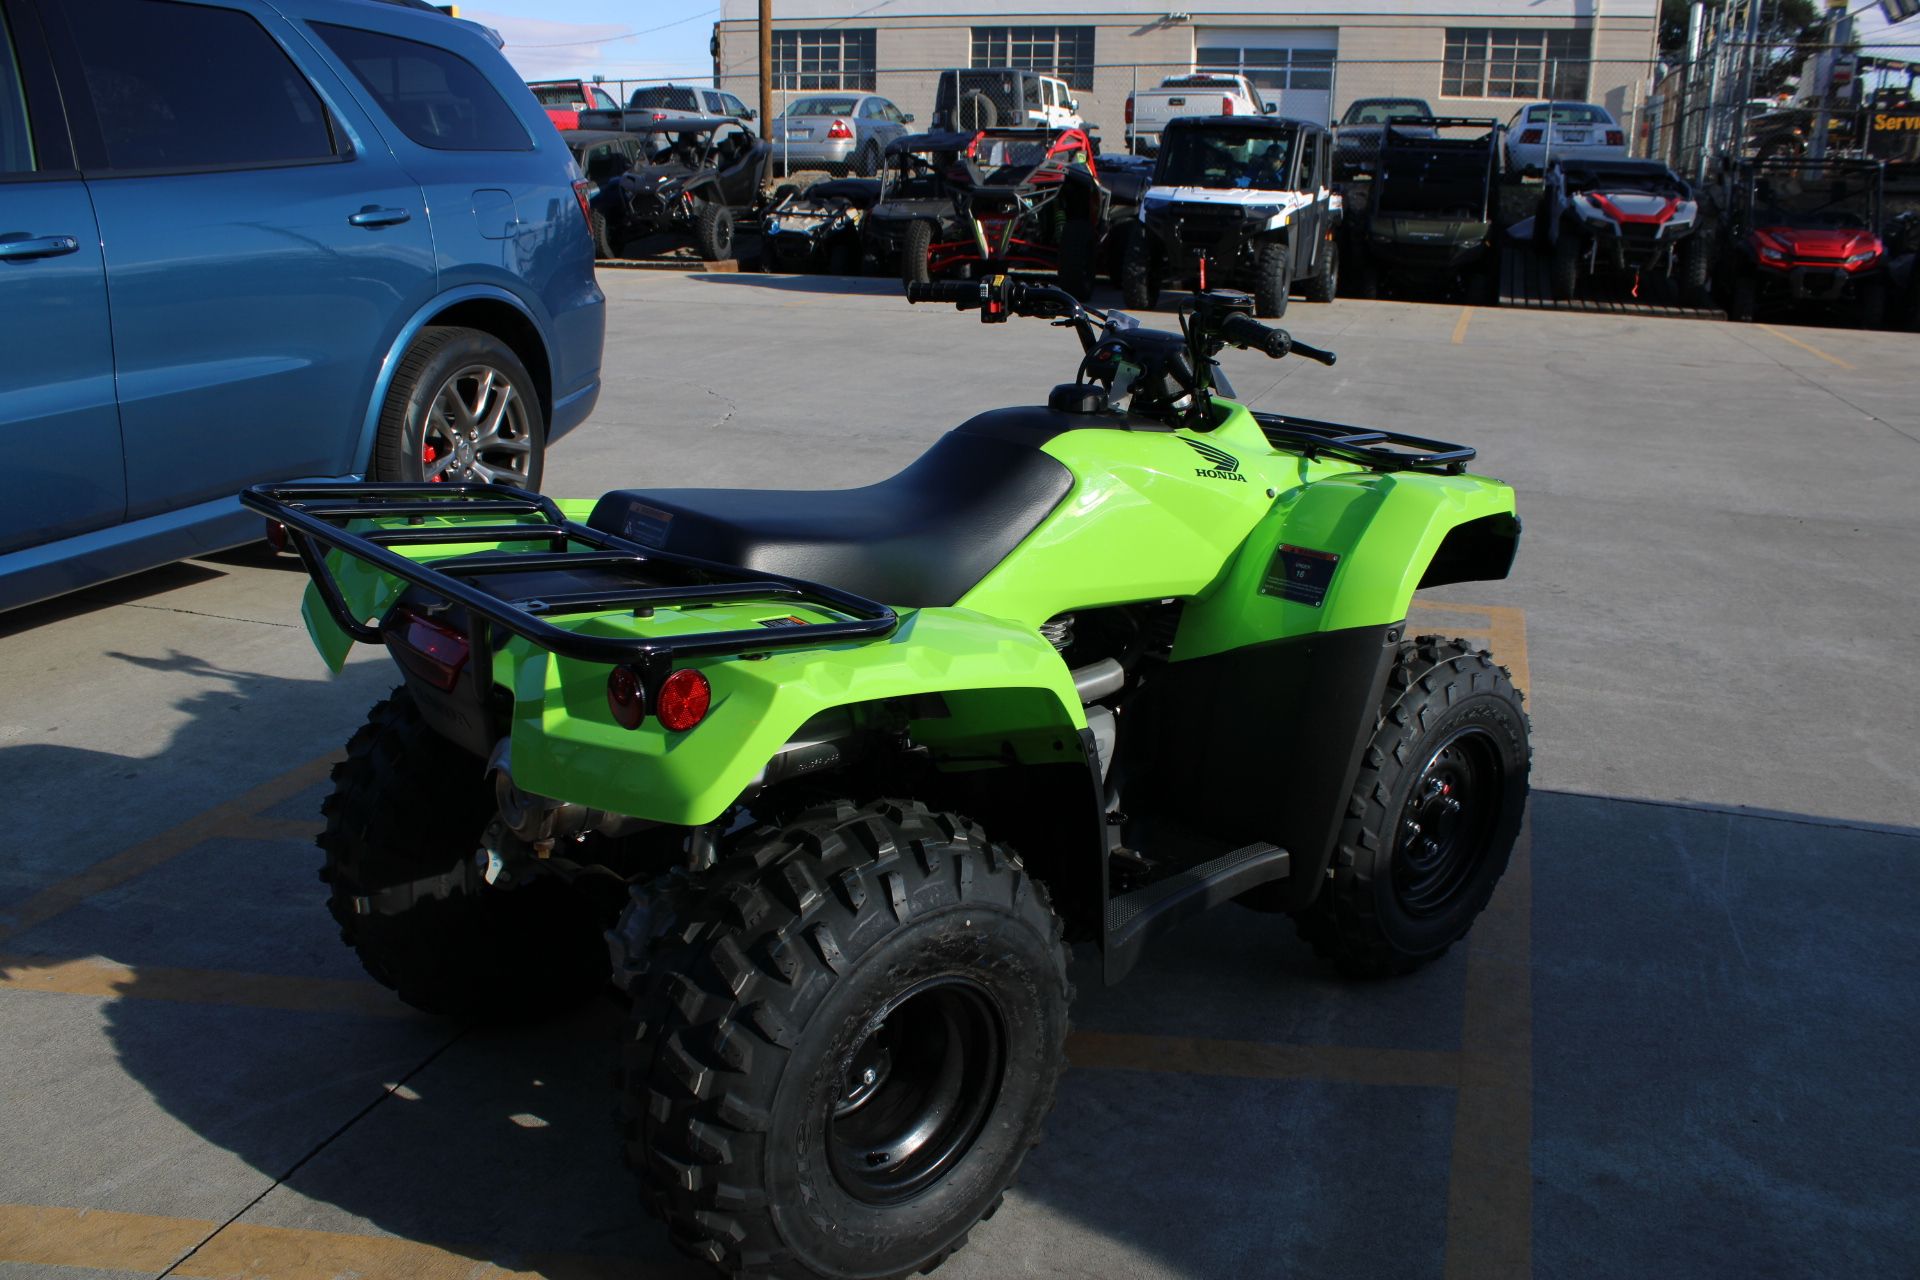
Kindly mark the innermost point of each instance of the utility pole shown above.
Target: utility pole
(766, 66)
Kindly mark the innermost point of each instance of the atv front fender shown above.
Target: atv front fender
(971, 687)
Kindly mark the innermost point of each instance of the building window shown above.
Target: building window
(1274, 70)
(836, 59)
(1066, 52)
(1492, 63)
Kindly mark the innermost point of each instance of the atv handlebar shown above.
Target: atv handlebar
(1250, 334)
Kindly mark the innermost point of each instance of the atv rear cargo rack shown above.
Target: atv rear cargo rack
(625, 575)
(1371, 448)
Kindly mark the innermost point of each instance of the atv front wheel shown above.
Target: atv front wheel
(406, 815)
(1139, 277)
(1564, 273)
(1433, 815)
(713, 231)
(849, 1040)
(917, 253)
(1325, 286)
(1271, 281)
(602, 242)
(1696, 268)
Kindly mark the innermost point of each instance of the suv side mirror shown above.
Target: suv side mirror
(906, 117)
(1073, 104)
(749, 114)
(1268, 108)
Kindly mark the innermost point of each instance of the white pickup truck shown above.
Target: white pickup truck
(1203, 93)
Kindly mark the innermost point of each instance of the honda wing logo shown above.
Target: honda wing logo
(1221, 465)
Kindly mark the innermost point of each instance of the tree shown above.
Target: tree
(1781, 22)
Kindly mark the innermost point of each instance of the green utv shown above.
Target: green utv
(836, 776)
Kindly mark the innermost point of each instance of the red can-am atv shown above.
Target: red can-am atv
(1807, 232)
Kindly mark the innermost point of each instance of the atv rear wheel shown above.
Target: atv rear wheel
(1696, 268)
(1564, 272)
(408, 808)
(1139, 276)
(713, 231)
(849, 1039)
(1325, 286)
(1433, 816)
(602, 243)
(916, 253)
(1076, 259)
(1271, 281)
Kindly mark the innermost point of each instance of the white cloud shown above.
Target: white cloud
(542, 49)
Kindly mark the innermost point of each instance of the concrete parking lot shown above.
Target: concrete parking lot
(1680, 1043)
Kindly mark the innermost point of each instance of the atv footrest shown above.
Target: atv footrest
(1135, 918)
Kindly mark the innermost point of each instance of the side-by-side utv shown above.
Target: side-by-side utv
(1429, 216)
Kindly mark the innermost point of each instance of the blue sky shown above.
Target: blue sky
(599, 36)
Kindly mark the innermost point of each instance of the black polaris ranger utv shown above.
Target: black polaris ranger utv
(1431, 208)
(697, 175)
(1238, 202)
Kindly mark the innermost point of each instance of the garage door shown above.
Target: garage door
(1293, 66)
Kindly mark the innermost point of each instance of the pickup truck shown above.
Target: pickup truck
(564, 100)
(1204, 93)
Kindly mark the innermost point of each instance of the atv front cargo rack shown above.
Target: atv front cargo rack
(620, 574)
(1374, 449)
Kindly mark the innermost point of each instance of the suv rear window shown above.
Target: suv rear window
(238, 101)
(666, 97)
(437, 98)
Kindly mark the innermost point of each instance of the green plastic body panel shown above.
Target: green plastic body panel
(1153, 515)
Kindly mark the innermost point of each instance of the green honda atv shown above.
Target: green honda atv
(827, 781)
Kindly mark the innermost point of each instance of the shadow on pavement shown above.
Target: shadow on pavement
(1723, 1028)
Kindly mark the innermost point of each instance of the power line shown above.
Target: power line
(625, 35)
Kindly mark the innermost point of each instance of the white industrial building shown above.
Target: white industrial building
(1466, 57)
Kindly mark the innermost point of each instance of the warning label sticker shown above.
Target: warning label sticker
(1299, 574)
(648, 526)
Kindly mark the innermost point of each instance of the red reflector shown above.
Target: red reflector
(430, 650)
(839, 129)
(625, 698)
(1615, 138)
(277, 537)
(1226, 106)
(684, 698)
(580, 190)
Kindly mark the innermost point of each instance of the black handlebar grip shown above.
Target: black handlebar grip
(959, 292)
(1245, 331)
(1314, 353)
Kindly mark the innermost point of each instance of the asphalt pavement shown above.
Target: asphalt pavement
(1680, 1043)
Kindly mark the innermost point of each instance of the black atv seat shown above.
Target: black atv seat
(924, 537)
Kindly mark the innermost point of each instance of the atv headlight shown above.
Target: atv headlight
(1863, 257)
(1771, 255)
(1261, 213)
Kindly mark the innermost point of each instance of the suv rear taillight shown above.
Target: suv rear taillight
(1226, 106)
(583, 192)
(1615, 138)
(1129, 108)
(839, 129)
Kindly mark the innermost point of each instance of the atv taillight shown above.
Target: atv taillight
(839, 129)
(1226, 106)
(626, 698)
(684, 698)
(277, 537)
(583, 192)
(1528, 137)
(431, 650)
(1615, 138)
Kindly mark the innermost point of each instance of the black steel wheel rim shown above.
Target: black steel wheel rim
(1447, 823)
(916, 1091)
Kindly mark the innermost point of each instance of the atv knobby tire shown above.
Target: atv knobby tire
(713, 231)
(407, 806)
(1563, 271)
(1433, 816)
(602, 241)
(1696, 269)
(1272, 281)
(1139, 276)
(917, 252)
(885, 937)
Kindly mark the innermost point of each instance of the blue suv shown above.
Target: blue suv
(252, 240)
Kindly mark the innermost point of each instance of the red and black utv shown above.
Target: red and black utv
(1017, 200)
(1807, 233)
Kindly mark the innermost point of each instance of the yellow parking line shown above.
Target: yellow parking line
(1460, 325)
(221, 820)
(38, 1235)
(1252, 1059)
(107, 980)
(1805, 346)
